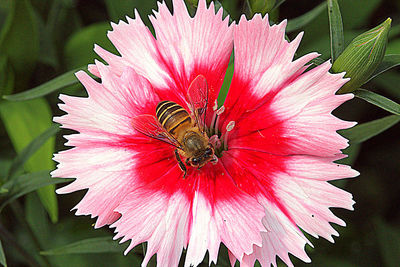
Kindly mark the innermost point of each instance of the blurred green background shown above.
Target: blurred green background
(43, 39)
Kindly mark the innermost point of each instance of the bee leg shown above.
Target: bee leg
(214, 160)
(181, 165)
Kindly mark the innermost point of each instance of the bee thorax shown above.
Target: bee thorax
(194, 143)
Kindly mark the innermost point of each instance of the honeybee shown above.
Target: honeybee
(186, 131)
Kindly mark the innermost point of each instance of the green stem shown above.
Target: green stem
(18, 211)
(9, 239)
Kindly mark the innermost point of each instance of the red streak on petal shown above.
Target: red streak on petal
(253, 172)
(241, 102)
(177, 90)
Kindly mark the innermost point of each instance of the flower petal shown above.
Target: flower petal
(298, 118)
(110, 104)
(104, 170)
(282, 237)
(193, 46)
(161, 220)
(203, 234)
(304, 191)
(185, 47)
(263, 63)
(138, 50)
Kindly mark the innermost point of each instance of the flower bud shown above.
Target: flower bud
(261, 6)
(362, 56)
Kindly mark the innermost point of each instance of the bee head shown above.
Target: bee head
(203, 158)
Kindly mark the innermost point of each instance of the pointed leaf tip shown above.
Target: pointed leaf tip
(362, 56)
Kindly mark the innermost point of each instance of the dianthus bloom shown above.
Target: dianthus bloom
(277, 137)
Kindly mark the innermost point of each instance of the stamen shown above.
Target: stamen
(229, 128)
(214, 117)
(214, 160)
(215, 105)
(219, 112)
(214, 140)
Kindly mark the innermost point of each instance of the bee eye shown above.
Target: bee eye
(195, 161)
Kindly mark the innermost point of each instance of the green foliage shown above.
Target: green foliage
(225, 85)
(2, 256)
(53, 85)
(91, 245)
(378, 100)
(335, 29)
(24, 121)
(44, 42)
(352, 152)
(388, 62)
(389, 240)
(303, 20)
(19, 30)
(362, 8)
(365, 131)
(24, 184)
(7, 78)
(78, 50)
(118, 9)
(261, 6)
(31, 149)
(362, 56)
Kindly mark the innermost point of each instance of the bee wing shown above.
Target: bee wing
(198, 100)
(149, 126)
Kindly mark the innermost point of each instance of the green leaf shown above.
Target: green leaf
(19, 40)
(217, 6)
(388, 240)
(335, 29)
(78, 50)
(278, 4)
(352, 152)
(303, 20)
(388, 62)
(24, 121)
(29, 150)
(261, 6)
(317, 61)
(51, 86)
(365, 131)
(389, 82)
(225, 85)
(2, 256)
(24, 184)
(47, 51)
(118, 9)
(362, 56)
(7, 78)
(378, 100)
(3, 190)
(90, 245)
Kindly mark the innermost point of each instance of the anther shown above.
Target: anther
(219, 112)
(229, 128)
(215, 105)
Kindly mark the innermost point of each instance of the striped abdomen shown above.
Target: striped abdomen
(172, 117)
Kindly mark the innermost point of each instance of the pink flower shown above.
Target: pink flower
(272, 178)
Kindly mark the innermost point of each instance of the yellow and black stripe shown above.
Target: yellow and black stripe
(171, 116)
